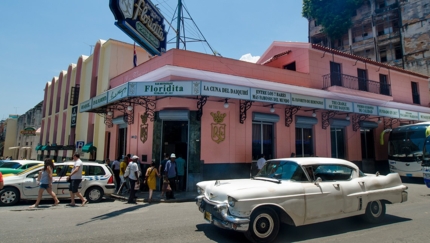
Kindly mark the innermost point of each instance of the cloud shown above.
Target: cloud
(249, 58)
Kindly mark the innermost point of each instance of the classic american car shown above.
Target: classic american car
(297, 191)
(16, 166)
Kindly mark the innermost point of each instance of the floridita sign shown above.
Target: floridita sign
(142, 22)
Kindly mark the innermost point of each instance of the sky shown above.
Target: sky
(39, 39)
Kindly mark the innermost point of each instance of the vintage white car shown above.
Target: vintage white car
(297, 191)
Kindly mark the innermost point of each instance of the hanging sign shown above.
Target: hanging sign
(225, 91)
(307, 101)
(142, 22)
(118, 93)
(424, 117)
(366, 109)
(29, 131)
(74, 116)
(100, 100)
(270, 96)
(410, 115)
(168, 88)
(338, 105)
(85, 106)
(388, 112)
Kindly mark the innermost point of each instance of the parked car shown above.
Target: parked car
(97, 181)
(16, 166)
(297, 191)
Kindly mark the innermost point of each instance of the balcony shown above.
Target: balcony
(355, 83)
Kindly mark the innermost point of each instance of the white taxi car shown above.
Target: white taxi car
(297, 191)
(97, 181)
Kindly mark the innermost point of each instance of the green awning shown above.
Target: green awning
(87, 148)
(44, 147)
(38, 147)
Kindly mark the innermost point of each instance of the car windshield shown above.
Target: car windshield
(30, 169)
(10, 165)
(282, 170)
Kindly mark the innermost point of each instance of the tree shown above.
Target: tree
(333, 15)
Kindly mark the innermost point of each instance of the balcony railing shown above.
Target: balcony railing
(351, 82)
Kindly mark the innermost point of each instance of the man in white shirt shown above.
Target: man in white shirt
(133, 177)
(75, 178)
(260, 162)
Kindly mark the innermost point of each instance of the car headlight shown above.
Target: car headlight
(231, 201)
(200, 190)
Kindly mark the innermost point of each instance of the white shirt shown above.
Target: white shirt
(115, 165)
(260, 163)
(133, 169)
(78, 174)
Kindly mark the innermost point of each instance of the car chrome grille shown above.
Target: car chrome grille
(211, 209)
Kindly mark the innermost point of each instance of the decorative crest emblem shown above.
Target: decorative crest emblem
(218, 128)
(144, 128)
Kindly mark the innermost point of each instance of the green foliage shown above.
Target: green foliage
(333, 15)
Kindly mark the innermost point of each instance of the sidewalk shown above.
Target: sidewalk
(156, 197)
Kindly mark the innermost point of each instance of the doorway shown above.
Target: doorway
(367, 150)
(122, 141)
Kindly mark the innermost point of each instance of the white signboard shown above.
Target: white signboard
(366, 109)
(270, 96)
(167, 88)
(424, 117)
(307, 101)
(225, 91)
(85, 106)
(410, 115)
(388, 112)
(100, 100)
(338, 105)
(118, 93)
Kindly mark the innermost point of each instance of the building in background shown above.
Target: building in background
(11, 148)
(28, 136)
(395, 32)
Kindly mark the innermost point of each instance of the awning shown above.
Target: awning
(44, 147)
(11, 148)
(88, 148)
(38, 147)
(54, 146)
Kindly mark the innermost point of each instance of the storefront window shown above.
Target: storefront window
(262, 140)
(304, 144)
(337, 143)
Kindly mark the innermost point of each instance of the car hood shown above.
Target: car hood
(247, 188)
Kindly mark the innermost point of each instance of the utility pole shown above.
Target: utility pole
(178, 27)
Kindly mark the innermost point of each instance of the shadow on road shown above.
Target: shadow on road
(413, 180)
(114, 214)
(289, 233)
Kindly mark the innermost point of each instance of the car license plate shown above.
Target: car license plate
(208, 216)
(409, 175)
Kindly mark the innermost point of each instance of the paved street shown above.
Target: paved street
(115, 221)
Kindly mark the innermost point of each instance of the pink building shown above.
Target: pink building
(221, 114)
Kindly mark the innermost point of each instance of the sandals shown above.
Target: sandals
(71, 205)
(84, 202)
(34, 206)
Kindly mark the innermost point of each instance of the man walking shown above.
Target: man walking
(133, 177)
(170, 172)
(75, 178)
(180, 168)
(115, 168)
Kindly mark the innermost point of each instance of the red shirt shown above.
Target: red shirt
(1, 177)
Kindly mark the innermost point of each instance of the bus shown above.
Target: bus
(405, 149)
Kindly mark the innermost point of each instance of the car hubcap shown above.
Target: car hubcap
(375, 208)
(8, 197)
(263, 225)
(94, 194)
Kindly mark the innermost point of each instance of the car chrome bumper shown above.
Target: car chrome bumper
(219, 215)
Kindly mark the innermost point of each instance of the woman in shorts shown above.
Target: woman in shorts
(45, 183)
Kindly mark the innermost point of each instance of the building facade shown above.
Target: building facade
(28, 133)
(221, 114)
(395, 32)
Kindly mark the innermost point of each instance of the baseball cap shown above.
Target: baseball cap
(135, 157)
(172, 156)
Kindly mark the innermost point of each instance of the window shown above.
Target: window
(335, 74)
(332, 172)
(291, 66)
(96, 171)
(383, 85)
(304, 144)
(362, 79)
(383, 55)
(398, 52)
(337, 142)
(415, 93)
(262, 140)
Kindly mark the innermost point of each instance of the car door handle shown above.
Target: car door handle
(361, 183)
(336, 185)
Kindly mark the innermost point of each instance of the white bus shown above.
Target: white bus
(405, 149)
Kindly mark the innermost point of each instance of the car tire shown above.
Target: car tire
(375, 211)
(263, 226)
(94, 194)
(9, 196)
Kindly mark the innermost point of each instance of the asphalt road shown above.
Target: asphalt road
(115, 221)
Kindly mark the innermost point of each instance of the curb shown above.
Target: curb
(157, 200)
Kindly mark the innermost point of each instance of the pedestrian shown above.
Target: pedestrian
(293, 155)
(133, 177)
(1, 181)
(151, 179)
(122, 167)
(170, 172)
(161, 170)
(75, 178)
(261, 161)
(45, 183)
(180, 169)
(107, 162)
(116, 170)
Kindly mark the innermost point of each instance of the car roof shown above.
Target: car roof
(83, 162)
(23, 162)
(318, 160)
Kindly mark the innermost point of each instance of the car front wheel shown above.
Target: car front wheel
(94, 194)
(9, 196)
(375, 211)
(264, 226)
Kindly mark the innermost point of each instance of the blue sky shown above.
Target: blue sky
(38, 39)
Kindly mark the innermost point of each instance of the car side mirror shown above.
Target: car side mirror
(318, 180)
(35, 176)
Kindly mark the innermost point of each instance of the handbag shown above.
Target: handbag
(137, 186)
(127, 172)
(146, 177)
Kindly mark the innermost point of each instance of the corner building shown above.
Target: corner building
(220, 114)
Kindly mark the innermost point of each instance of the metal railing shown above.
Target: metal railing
(351, 82)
